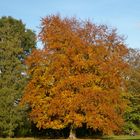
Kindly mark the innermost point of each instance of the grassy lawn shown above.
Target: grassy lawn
(103, 138)
(17, 139)
(122, 137)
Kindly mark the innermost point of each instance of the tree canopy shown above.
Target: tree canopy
(16, 42)
(132, 115)
(78, 77)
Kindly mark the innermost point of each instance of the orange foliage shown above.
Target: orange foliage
(77, 77)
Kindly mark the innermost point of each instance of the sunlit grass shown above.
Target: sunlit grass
(103, 138)
(126, 137)
(18, 139)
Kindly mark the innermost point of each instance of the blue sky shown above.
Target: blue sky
(121, 14)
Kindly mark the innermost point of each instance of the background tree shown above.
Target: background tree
(16, 42)
(132, 116)
(77, 78)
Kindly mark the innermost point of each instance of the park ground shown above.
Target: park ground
(103, 138)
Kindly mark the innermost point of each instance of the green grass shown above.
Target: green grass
(17, 139)
(127, 137)
(103, 138)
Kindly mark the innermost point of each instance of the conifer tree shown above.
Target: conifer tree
(16, 42)
(132, 115)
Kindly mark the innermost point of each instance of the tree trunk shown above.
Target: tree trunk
(72, 133)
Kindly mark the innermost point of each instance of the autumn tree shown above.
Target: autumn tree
(77, 78)
(16, 42)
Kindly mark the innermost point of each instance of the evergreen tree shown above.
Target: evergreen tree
(16, 42)
(132, 115)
